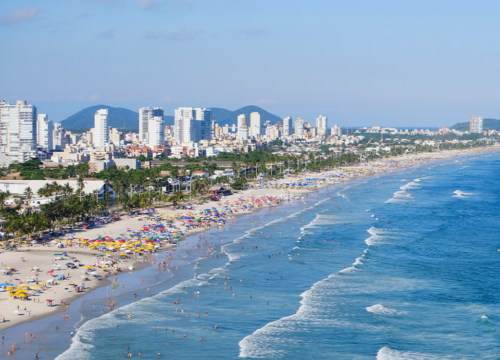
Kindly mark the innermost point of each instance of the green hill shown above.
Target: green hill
(488, 124)
(223, 116)
(122, 118)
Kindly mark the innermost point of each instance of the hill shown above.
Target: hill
(122, 118)
(488, 124)
(223, 116)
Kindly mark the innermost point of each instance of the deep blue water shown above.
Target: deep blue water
(402, 266)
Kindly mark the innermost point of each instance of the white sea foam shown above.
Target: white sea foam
(340, 192)
(348, 270)
(484, 317)
(376, 237)
(380, 309)
(461, 194)
(386, 353)
(401, 196)
(410, 185)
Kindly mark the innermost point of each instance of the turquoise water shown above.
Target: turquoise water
(409, 270)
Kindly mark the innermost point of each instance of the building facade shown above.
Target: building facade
(18, 123)
(255, 124)
(145, 115)
(156, 129)
(321, 124)
(476, 125)
(299, 128)
(44, 132)
(287, 126)
(101, 131)
(192, 124)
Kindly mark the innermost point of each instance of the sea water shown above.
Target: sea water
(401, 266)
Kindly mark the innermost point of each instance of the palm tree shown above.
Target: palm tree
(176, 197)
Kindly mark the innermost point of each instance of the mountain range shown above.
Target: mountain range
(122, 118)
(488, 124)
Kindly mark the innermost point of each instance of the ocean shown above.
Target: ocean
(399, 266)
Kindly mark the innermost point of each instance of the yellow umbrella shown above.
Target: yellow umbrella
(88, 267)
(10, 267)
(23, 295)
(43, 283)
(33, 288)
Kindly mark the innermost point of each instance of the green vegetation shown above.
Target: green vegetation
(488, 124)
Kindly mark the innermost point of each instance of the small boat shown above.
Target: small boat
(131, 268)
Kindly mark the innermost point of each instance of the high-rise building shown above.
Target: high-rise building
(59, 139)
(299, 128)
(287, 126)
(101, 131)
(321, 124)
(336, 131)
(255, 124)
(145, 115)
(241, 120)
(44, 132)
(18, 128)
(156, 128)
(243, 131)
(192, 124)
(476, 124)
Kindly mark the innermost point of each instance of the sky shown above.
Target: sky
(360, 62)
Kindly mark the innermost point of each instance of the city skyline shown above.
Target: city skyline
(370, 74)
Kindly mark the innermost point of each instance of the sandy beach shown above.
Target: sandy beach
(16, 311)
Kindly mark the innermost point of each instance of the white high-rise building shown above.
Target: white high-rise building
(476, 124)
(241, 120)
(145, 115)
(299, 128)
(101, 131)
(321, 124)
(287, 126)
(243, 131)
(44, 132)
(18, 128)
(336, 131)
(156, 129)
(192, 124)
(255, 124)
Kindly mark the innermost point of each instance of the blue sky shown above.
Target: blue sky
(393, 63)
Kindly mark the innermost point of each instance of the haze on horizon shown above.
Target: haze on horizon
(361, 63)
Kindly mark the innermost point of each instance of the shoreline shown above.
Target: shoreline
(140, 265)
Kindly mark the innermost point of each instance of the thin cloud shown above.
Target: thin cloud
(109, 33)
(181, 35)
(146, 4)
(94, 97)
(19, 15)
(252, 32)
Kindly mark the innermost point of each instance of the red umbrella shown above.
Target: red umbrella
(49, 300)
(85, 226)
(50, 272)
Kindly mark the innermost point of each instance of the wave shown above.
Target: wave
(410, 185)
(380, 309)
(461, 194)
(400, 197)
(386, 353)
(376, 238)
